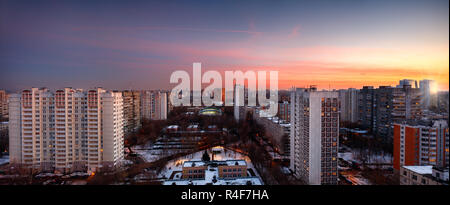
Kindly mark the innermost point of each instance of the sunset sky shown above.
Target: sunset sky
(138, 44)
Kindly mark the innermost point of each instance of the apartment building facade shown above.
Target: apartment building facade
(66, 130)
(3, 105)
(428, 97)
(349, 105)
(380, 108)
(314, 135)
(154, 105)
(284, 111)
(366, 107)
(423, 175)
(420, 144)
(131, 111)
(277, 131)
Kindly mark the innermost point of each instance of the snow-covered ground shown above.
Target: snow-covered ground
(149, 154)
(175, 166)
(240, 181)
(356, 156)
(374, 158)
(4, 159)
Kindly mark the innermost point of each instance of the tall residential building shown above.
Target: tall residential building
(349, 105)
(406, 103)
(426, 89)
(314, 135)
(421, 143)
(407, 82)
(131, 111)
(154, 105)
(380, 108)
(277, 131)
(284, 111)
(146, 104)
(366, 107)
(395, 105)
(66, 130)
(442, 102)
(3, 105)
(383, 112)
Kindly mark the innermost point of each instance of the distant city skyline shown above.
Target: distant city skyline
(137, 45)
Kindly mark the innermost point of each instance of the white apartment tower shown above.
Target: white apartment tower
(154, 105)
(426, 88)
(67, 130)
(314, 135)
(3, 104)
(131, 111)
(349, 105)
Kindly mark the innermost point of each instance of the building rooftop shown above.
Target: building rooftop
(218, 163)
(193, 126)
(236, 162)
(223, 157)
(193, 164)
(172, 127)
(420, 169)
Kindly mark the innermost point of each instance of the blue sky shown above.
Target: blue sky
(138, 44)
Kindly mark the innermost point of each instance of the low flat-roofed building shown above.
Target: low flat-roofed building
(233, 169)
(423, 175)
(226, 169)
(194, 170)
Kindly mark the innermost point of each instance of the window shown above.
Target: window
(414, 177)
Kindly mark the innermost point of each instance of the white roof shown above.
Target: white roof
(420, 169)
(235, 162)
(193, 163)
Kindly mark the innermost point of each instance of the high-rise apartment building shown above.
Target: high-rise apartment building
(383, 111)
(427, 87)
(407, 82)
(366, 107)
(154, 105)
(380, 108)
(131, 111)
(314, 135)
(443, 102)
(349, 105)
(3, 105)
(284, 111)
(421, 143)
(406, 103)
(66, 130)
